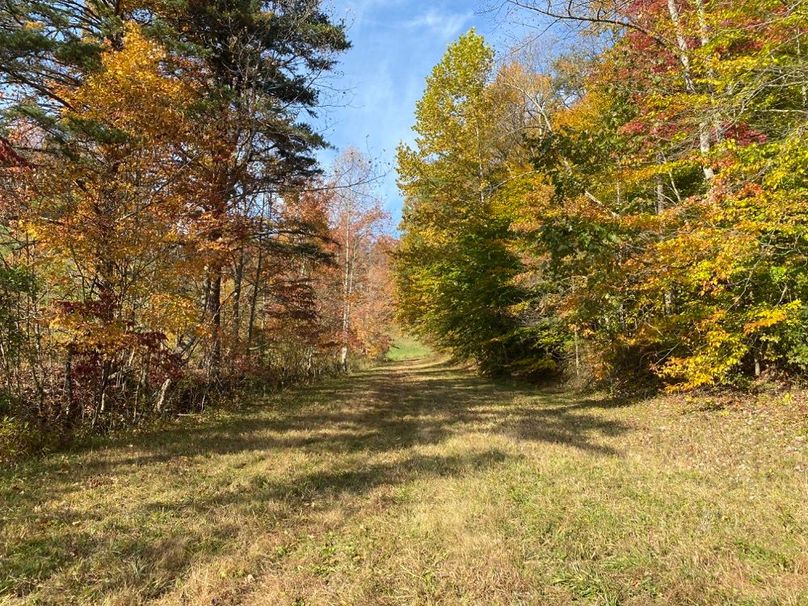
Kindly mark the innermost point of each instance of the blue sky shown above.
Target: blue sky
(371, 101)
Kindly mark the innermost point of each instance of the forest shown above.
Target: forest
(628, 211)
(166, 235)
(631, 212)
(403, 303)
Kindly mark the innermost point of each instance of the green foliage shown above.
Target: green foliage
(456, 260)
(15, 284)
(663, 221)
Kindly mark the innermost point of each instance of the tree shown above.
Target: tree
(357, 220)
(646, 168)
(106, 223)
(456, 261)
(261, 59)
(164, 223)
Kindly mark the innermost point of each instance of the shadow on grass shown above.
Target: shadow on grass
(343, 425)
(391, 408)
(386, 409)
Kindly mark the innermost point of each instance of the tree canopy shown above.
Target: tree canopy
(647, 222)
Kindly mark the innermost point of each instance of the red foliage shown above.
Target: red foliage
(743, 134)
(10, 158)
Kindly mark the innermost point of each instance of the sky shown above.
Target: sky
(370, 99)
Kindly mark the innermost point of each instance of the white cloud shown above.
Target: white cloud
(357, 13)
(447, 25)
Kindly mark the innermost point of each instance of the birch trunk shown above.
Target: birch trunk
(684, 58)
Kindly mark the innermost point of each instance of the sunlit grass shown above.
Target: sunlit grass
(421, 484)
(406, 348)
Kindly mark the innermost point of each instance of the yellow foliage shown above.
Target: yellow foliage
(132, 93)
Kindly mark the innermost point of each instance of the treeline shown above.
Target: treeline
(165, 232)
(636, 214)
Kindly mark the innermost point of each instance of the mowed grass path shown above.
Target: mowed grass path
(417, 483)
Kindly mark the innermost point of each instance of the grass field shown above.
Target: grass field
(416, 483)
(407, 348)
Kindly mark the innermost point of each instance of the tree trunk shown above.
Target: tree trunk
(660, 196)
(346, 294)
(684, 58)
(256, 287)
(68, 384)
(215, 312)
(238, 280)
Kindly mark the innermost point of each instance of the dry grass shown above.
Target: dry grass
(421, 484)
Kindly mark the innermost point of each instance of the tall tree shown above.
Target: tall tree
(647, 205)
(262, 60)
(456, 262)
(357, 223)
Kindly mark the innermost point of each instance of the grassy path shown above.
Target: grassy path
(420, 484)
